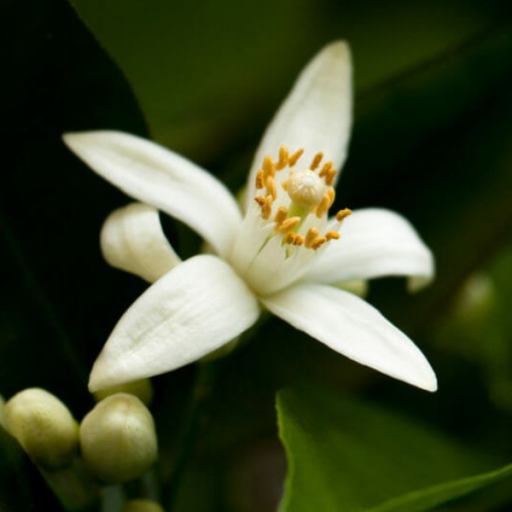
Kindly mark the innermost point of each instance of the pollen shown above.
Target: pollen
(271, 187)
(312, 235)
(260, 183)
(298, 240)
(332, 235)
(325, 169)
(295, 157)
(266, 208)
(283, 159)
(316, 160)
(318, 242)
(289, 238)
(329, 178)
(288, 224)
(343, 214)
(309, 192)
(281, 214)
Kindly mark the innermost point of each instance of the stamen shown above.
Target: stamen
(284, 184)
(260, 200)
(298, 240)
(343, 214)
(290, 237)
(332, 195)
(318, 242)
(311, 235)
(329, 179)
(259, 179)
(271, 187)
(268, 168)
(295, 157)
(288, 224)
(325, 169)
(332, 235)
(283, 158)
(316, 160)
(281, 214)
(266, 208)
(322, 208)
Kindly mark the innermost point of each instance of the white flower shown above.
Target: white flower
(284, 253)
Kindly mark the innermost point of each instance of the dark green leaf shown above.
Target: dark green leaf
(350, 456)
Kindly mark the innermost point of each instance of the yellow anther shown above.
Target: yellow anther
(259, 179)
(322, 208)
(266, 208)
(283, 158)
(288, 224)
(318, 242)
(281, 214)
(329, 178)
(316, 160)
(325, 169)
(271, 187)
(284, 184)
(311, 235)
(332, 195)
(268, 168)
(342, 214)
(289, 238)
(260, 200)
(298, 240)
(295, 157)
(332, 235)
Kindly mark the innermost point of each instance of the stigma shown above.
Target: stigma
(297, 199)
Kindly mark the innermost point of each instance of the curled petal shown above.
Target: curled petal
(316, 115)
(194, 309)
(154, 175)
(352, 327)
(132, 240)
(375, 242)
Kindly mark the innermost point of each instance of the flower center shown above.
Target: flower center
(309, 195)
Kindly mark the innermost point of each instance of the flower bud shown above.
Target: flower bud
(142, 506)
(43, 426)
(118, 439)
(141, 388)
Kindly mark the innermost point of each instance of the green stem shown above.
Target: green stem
(194, 416)
(73, 486)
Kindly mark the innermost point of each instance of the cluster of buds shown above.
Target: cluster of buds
(116, 442)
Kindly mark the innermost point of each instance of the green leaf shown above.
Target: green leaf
(207, 72)
(350, 456)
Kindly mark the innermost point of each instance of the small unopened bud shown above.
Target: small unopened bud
(142, 506)
(118, 439)
(142, 389)
(43, 426)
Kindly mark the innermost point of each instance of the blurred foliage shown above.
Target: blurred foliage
(431, 140)
(353, 456)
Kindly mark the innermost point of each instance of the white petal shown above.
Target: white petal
(132, 240)
(374, 243)
(316, 115)
(352, 327)
(193, 310)
(154, 175)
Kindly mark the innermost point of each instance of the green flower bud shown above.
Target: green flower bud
(142, 389)
(118, 439)
(43, 426)
(142, 506)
